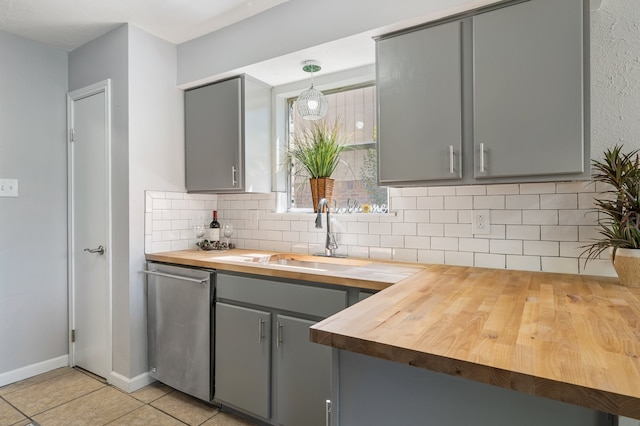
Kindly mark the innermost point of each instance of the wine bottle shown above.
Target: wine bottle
(214, 228)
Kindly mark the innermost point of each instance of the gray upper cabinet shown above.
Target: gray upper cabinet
(419, 77)
(227, 136)
(494, 95)
(528, 89)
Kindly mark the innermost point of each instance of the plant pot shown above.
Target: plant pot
(627, 266)
(321, 188)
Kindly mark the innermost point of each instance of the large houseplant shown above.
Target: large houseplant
(315, 152)
(619, 213)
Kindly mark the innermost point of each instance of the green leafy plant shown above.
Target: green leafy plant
(317, 149)
(619, 208)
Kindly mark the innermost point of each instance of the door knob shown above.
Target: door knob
(100, 250)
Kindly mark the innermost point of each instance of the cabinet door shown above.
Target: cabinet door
(419, 78)
(528, 89)
(243, 359)
(303, 374)
(213, 136)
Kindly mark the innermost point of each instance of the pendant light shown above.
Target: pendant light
(312, 104)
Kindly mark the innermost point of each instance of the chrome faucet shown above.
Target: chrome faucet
(331, 245)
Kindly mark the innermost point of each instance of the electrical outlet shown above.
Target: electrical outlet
(480, 222)
(8, 187)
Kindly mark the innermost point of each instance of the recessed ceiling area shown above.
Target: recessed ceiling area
(68, 24)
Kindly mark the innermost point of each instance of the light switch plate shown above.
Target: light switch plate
(8, 187)
(480, 222)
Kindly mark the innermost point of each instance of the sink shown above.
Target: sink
(319, 266)
(315, 263)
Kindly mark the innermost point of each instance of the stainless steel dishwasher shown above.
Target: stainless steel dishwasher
(180, 327)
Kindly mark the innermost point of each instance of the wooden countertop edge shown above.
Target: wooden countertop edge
(257, 269)
(597, 399)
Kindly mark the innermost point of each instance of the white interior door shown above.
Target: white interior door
(90, 300)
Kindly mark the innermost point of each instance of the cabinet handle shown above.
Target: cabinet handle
(233, 176)
(260, 330)
(327, 410)
(451, 156)
(482, 168)
(279, 335)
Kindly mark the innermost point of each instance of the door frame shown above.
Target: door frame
(76, 95)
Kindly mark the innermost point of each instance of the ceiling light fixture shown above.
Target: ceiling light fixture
(312, 104)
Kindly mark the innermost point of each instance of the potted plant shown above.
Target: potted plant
(316, 153)
(618, 213)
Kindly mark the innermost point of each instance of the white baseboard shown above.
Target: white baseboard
(130, 385)
(33, 370)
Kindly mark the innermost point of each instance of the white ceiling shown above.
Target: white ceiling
(67, 24)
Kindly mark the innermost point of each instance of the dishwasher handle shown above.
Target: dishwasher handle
(178, 277)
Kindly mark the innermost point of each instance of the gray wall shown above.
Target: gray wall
(103, 58)
(147, 153)
(33, 227)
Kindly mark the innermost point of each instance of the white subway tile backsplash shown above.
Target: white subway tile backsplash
(444, 216)
(484, 260)
(431, 256)
(540, 217)
(417, 242)
(575, 217)
(507, 189)
(504, 217)
(402, 203)
(457, 203)
(560, 264)
(541, 248)
(431, 203)
(538, 188)
(523, 232)
(393, 241)
(559, 233)
(558, 201)
(523, 202)
(523, 263)
(477, 245)
(457, 230)
(444, 243)
(491, 202)
(442, 190)
(537, 226)
(458, 258)
(505, 246)
(404, 229)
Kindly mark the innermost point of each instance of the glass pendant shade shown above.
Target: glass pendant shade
(312, 104)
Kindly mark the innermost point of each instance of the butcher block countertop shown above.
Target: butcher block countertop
(360, 273)
(571, 338)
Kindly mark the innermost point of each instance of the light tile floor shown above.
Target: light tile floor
(68, 396)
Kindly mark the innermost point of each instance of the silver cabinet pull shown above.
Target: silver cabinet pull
(451, 156)
(260, 330)
(233, 176)
(482, 168)
(177, 277)
(99, 250)
(279, 335)
(327, 410)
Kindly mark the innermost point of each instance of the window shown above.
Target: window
(354, 110)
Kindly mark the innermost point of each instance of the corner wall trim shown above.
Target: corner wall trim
(33, 370)
(130, 385)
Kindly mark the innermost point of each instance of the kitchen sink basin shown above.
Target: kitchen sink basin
(307, 264)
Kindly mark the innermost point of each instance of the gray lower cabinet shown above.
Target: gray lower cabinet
(303, 374)
(227, 136)
(265, 365)
(495, 95)
(243, 358)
